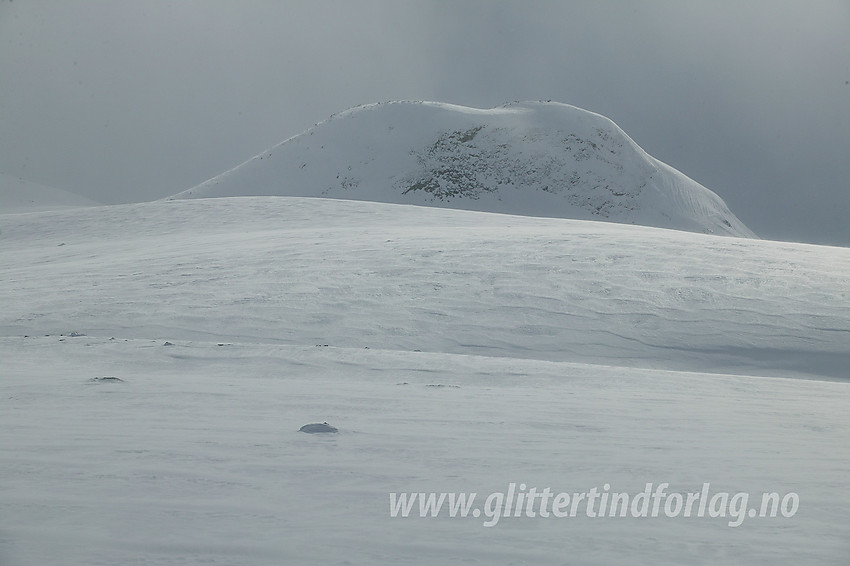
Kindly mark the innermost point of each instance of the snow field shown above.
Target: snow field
(196, 457)
(355, 274)
(556, 353)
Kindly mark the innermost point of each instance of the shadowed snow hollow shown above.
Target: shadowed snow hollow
(530, 158)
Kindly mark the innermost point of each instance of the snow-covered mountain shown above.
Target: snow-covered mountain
(20, 195)
(159, 359)
(530, 158)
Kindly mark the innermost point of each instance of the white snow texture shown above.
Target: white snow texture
(159, 359)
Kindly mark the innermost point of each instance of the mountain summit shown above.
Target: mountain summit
(529, 158)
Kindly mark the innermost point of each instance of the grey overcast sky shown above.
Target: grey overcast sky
(127, 101)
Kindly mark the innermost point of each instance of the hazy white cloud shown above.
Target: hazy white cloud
(127, 101)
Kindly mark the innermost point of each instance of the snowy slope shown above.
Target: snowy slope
(531, 158)
(359, 274)
(232, 322)
(19, 195)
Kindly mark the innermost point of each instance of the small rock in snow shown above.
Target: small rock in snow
(318, 427)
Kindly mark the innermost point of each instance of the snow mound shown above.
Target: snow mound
(19, 195)
(530, 158)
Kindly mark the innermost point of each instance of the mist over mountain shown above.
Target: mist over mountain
(529, 158)
(21, 195)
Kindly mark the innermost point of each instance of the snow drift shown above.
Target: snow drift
(530, 158)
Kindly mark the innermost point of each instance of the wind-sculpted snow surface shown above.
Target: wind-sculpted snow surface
(368, 275)
(539, 159)
(162, 362)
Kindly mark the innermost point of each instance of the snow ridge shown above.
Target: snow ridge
(529, 158)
